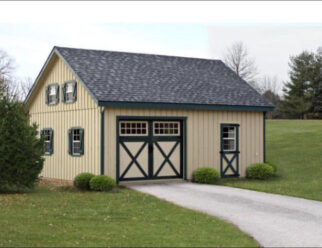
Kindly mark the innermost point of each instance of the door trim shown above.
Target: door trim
(235, 153)
(153, 118)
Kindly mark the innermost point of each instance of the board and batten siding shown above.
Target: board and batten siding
(203, 136)
(83, 113)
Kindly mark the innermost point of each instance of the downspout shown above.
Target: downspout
(264, 137)
(102, 141)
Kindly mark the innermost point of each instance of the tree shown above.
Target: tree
(268, 83)
(24, 87)
(299, 91)
(7, 86)
(20, 149)
(6, 64)
(237, 59)
(269, 89)
(317, 96)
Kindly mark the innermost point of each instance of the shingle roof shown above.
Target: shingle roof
(132, 77)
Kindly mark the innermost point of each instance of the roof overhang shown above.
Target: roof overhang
(185, 106)
(143, 104)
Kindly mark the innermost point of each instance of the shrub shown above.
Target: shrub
(81, 181)
(259, 171)
(21, 150)
(206, 175)
(102, 183)
(273, 165)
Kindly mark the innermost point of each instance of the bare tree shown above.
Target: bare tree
(238, 59)
(6, 64)
(10, 86)
(6, 68)
(269, 83)
(24, 87)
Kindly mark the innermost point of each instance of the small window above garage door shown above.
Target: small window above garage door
(133, 128)
(166, 128)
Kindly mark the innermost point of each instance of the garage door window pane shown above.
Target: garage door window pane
(169, 128)
(133, 128)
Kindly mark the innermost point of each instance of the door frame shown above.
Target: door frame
(235, 153)
(182, 119)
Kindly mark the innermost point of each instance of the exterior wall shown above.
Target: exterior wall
(203, 136)
(83, 113)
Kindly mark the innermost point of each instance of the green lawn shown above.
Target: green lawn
(51, 216)
(295, 146)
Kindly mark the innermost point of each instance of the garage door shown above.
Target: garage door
(149, 149)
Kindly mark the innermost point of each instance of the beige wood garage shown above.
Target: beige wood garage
(144, 117)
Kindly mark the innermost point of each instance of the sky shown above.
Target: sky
(29, 41)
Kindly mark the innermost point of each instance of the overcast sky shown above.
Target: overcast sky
(29, 41)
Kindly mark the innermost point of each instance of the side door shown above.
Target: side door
(229, 150)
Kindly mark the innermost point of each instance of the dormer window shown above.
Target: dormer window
(69, 92)
(52, 94)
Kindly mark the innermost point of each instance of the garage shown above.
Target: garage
(150, 148)
(145, 117)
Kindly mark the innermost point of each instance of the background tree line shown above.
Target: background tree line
(302, 93)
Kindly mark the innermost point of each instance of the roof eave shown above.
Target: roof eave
(185, 106)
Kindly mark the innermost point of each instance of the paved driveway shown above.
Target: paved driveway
(273, 220)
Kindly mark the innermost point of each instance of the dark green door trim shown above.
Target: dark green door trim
(181, 138)
(223, 157)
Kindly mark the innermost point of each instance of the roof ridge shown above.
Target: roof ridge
(137, 53)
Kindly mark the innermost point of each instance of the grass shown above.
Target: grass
(52, 216)
(295, 146)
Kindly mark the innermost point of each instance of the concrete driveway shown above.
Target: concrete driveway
(273, 220)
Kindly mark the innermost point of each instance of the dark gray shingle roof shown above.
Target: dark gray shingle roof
(132, 77)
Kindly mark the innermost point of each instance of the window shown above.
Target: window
(76, 141)
(166, 128)
(133, 128)
(229, 138)
(52, 94)
(47, 135)
(69, 92)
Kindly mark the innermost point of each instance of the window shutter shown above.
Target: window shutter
(221, 138)
(63, 93)
(57, 93)
(81, 134)
(70, 141)
(41, 134)
(51, 149)
(47, 94)
(75, 92)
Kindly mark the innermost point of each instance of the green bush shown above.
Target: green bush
(273, 165)
(259, 171)
(81, 181)
(21, 150)
(206, 175)
(102, 183)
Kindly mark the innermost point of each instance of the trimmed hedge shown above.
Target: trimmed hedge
(273, 165)
(102, 183)
(206, 175)
(81, 181)
(260, 171)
